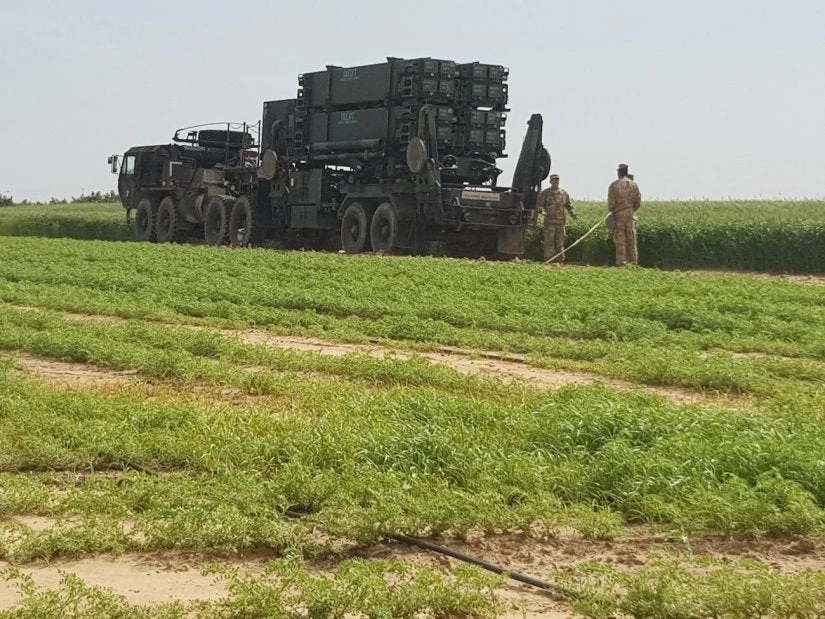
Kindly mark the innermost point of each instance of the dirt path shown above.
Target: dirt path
(503, 366)
(493, 364)
(79, 375)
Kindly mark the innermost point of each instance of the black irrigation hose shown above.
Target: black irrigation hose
(523, 578)
(421, 543)
(557, 590)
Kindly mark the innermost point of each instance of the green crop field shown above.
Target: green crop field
(771, 236)
(106, 222)
(650, 441)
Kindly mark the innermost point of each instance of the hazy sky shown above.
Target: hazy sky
(704, 99)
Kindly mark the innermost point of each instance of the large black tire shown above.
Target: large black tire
(167, 221)
(354, 229)
(145, 220)
(243, 228)
(216, 221)
(384, 228)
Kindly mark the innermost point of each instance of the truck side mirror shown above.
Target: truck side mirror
(113, 162)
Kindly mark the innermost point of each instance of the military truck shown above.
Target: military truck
(380, 157)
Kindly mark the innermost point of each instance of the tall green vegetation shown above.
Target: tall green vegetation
(773, 236)
(100, 221)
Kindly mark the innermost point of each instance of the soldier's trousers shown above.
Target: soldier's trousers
(554, 235)
(624, 237)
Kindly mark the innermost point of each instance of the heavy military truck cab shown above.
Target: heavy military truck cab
(125, 168)
(189, 187)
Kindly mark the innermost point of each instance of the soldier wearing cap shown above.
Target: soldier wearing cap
(555, 201)
(623, 200)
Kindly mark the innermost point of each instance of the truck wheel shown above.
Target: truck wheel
(384, 228)
(145, 219)
(242, 228)
(354, 229)
(216, 222)
(166, 221)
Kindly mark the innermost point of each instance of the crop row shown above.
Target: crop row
(705, 588)
(761, 236)
(392, 590)
(388, 455)
(726, 333)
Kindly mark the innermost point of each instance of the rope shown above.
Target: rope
(580, 239)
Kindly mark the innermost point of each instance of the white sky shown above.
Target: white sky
(704, 99)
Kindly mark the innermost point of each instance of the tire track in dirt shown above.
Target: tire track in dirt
(486, 363)
(492, 364)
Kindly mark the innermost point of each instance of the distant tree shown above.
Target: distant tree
(54, 201)
(96, 197)
(6, 200)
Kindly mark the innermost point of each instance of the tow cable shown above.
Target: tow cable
(579, 240)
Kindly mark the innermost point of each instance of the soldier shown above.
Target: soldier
(555, 201)
(623, 200)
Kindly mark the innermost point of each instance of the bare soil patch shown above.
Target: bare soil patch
(486, 363)
(493, 364)
(79, 375)
(117, 382)
(141, 580)
(813, 279)
(67, 315)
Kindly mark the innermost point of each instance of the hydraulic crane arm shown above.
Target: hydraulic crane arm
(533, 164)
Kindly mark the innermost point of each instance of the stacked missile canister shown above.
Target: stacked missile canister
(378, 106)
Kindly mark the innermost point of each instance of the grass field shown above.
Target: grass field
(771, 236)
(166, 405)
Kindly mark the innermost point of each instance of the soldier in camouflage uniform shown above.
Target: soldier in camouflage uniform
(555, 201)
(623, 200)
